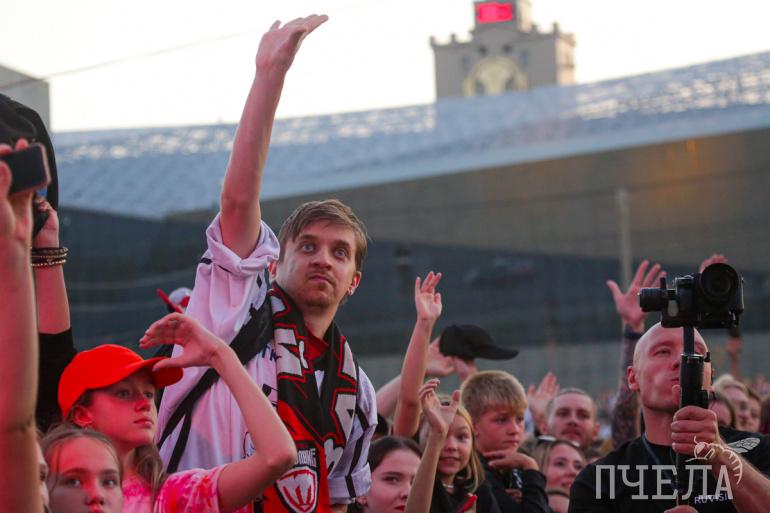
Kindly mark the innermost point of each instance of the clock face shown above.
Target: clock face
(493, 12)
(494, 75)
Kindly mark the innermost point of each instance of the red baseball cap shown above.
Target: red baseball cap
(103, 366)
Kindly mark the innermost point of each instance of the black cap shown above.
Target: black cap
(468, 341)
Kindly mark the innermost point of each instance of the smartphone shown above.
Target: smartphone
(29, 168)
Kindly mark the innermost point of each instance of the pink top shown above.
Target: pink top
(191, 491)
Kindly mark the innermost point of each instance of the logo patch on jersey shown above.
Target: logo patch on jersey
(299, 488)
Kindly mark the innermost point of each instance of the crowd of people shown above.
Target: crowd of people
(255, 401)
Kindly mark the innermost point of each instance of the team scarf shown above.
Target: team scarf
(320, 424)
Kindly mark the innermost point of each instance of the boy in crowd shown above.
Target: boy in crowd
(497, 402)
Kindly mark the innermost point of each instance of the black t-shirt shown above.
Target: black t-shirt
(530, 482)
(592, 490)
(56, 352)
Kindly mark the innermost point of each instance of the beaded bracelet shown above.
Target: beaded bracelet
(50, 252)
(49, 262)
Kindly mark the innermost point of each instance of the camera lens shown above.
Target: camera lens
(652, 300)
(718, 282)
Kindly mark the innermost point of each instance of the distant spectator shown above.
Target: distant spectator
(724, 410)
(560, 460)
(738, 395)
(571, 415)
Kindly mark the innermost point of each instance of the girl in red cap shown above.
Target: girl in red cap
(111, 389)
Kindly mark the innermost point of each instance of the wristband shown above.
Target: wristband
(630, 334)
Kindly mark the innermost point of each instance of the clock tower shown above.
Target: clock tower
(506, 52)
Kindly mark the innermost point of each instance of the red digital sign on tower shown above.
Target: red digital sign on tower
(494, 12)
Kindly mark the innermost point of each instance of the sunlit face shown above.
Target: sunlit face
(391, 482)
(43, 469)
(84, 478)
(740, 401)
(318, 268)
(573, 418)
(563, 465)
(499, 428)
(656, 367)
(457, 449)
(125, 412)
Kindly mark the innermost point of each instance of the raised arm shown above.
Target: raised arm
(240, 212)
(53, 308)
(243, 481)
(438, 366)
(19, 481)
(439, 419)
(428, 305)
(57, 348)
(625, 415)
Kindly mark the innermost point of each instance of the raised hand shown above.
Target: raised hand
(49, 234)
(464, 368)
(201, 346)
(426, 300)
(627, 303)
(438, 365)
(539, 397)
(15, 211)
(439, 417)
(279, 45)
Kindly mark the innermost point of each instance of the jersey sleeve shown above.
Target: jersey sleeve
(226, 286)
(351, 477)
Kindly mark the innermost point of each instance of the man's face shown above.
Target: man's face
(656, 367)
(318, 268)
(499, 428)
(572, 418)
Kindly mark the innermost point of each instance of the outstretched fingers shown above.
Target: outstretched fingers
(653, 276)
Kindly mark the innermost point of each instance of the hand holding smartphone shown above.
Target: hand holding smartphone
(29, 168)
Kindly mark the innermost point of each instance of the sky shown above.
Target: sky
(371, 54)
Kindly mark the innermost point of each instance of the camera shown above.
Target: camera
(707, 300)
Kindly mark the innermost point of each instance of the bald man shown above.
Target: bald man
(638, 475)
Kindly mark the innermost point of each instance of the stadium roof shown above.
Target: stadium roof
(155, 172)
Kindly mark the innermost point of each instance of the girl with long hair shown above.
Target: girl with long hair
(560, 460)
(83, 471)
(112, 390)
(450, 478)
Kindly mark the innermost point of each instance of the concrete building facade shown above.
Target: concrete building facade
(28, 90)
(506, 52)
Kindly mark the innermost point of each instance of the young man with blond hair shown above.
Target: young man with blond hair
(496, 402)
(283, 329)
